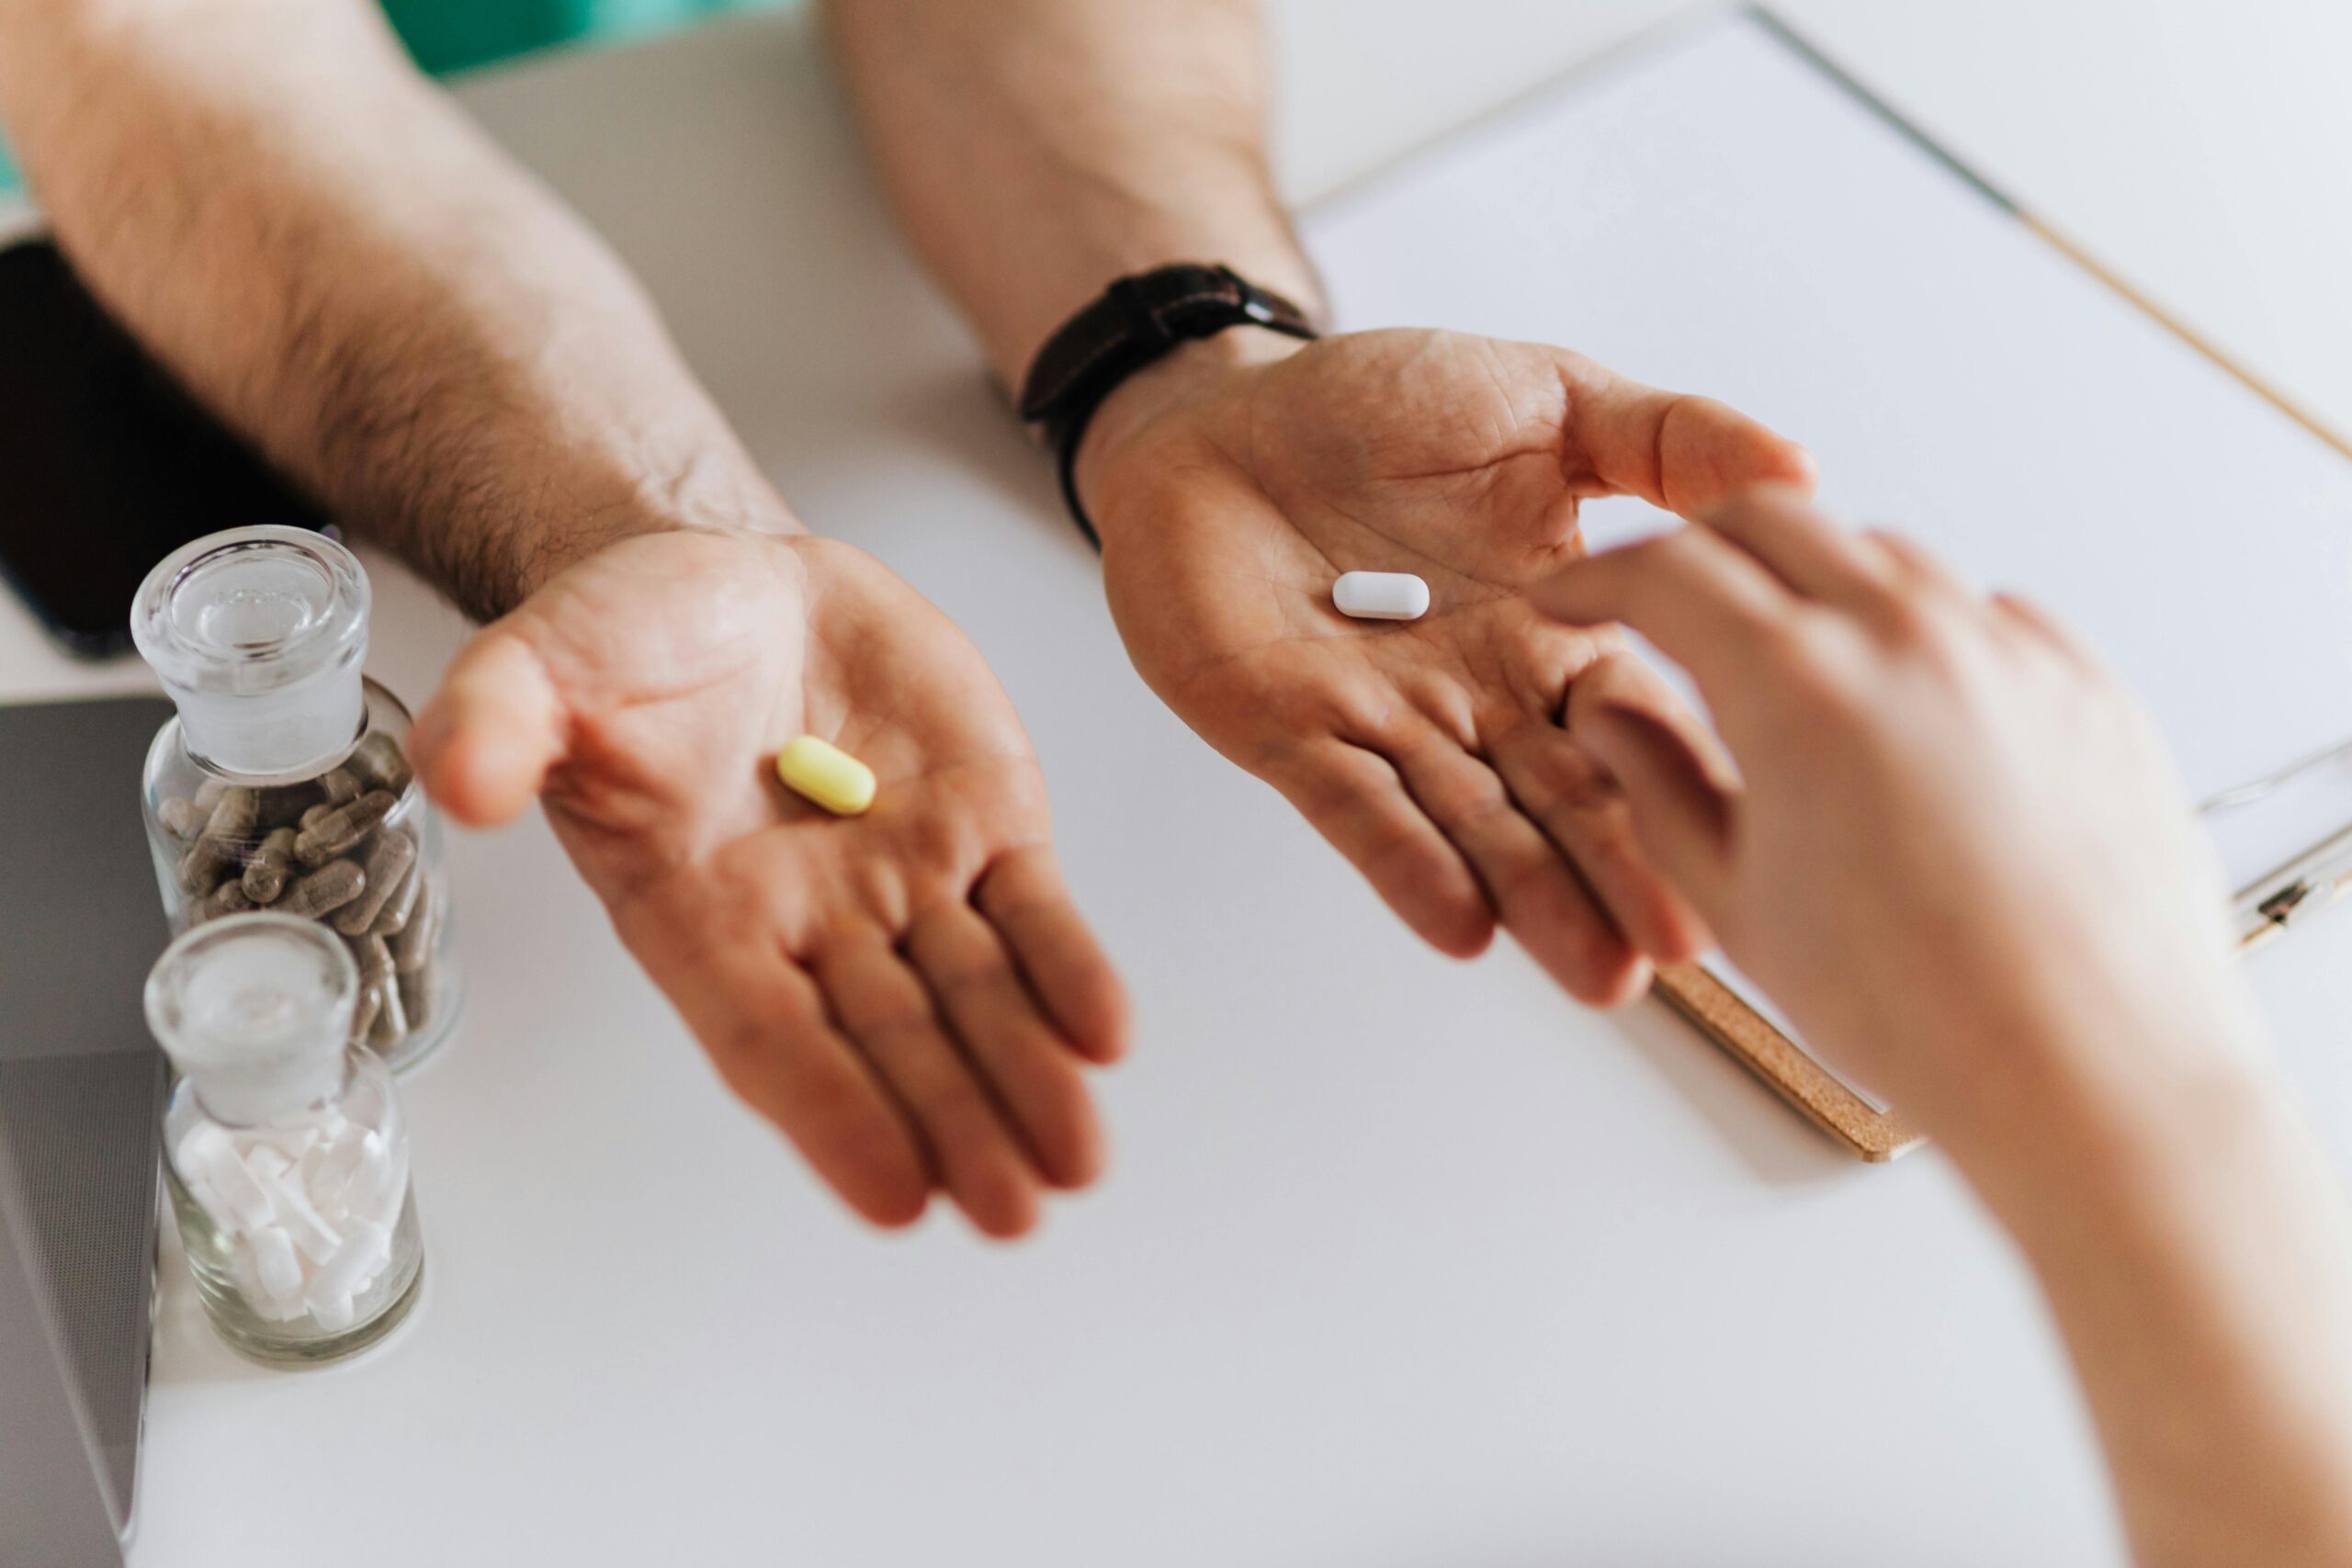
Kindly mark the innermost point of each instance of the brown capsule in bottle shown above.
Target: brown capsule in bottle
(272, 865)
(311, 814)
(371, 1002)
(281, 805)
(181, 818)
(379, 764)
(420, 993)
(338, 786)
(343, 827)
(387, 864)
(375, 961)
(330, 888)
(394, 919)
(391, 1024)
(412, 947)
(209, 793)
(228, 834)
(229, 898)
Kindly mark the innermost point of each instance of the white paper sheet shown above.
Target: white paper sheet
(1718, 214)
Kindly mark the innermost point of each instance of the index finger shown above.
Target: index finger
(1706, 604)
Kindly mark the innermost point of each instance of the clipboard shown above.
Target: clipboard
(1791, 233)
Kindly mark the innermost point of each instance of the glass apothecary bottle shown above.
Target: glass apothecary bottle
(284, 782)
(285, 1151)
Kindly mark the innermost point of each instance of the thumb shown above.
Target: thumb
(484, 745)
(1674, 451)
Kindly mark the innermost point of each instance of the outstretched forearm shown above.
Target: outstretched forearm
(1036, 149)
(2195, 1251)
(332, 258)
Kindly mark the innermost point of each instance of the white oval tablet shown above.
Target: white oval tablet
(1381, 595)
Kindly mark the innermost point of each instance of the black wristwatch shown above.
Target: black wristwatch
(1137, 320)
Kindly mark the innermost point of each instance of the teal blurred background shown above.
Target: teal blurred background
(454, 35)
(451, 35)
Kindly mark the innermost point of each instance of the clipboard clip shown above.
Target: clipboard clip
(2309, 882)
(2302, 887)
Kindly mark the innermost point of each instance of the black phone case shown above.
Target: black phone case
(106, 464)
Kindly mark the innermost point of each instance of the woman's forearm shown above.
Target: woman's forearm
(326, 251)
(2194, 1247)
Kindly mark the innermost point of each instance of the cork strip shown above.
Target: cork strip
(1750, 1039)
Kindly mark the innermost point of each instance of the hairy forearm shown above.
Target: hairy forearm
(331, 257)
(2195, 1250)
(1036, 149)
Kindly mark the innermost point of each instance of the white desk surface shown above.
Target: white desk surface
(1401, 1261)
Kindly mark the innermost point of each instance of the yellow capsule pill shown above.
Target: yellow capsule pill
(819, 770)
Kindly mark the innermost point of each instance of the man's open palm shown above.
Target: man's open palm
(1438, 755)
(908, 994)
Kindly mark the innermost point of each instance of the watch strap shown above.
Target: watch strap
(1137, 322)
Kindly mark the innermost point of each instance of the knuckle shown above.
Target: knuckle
(901, 1029)
(1387, 842)
(877, 895)
(1890, 547)
(1818, 671)
(969, 982)
(1800, 647)
(732, 895)
(941, 844)
(1468, 799)
(1579, 786)
(744, 1047)
(1907, 621)
(1368, 710)
(1525, 882)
